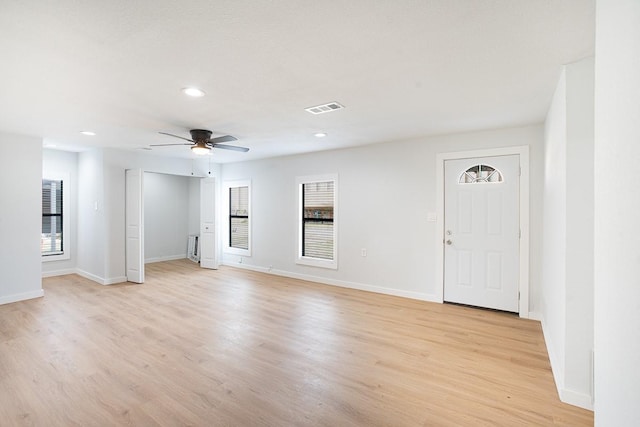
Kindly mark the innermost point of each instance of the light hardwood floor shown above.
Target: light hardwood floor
(236, 348)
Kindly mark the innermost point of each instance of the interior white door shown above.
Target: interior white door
(208, 241)
(482, 232)
(134, 209)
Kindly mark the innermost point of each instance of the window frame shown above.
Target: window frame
(66, 207)
(306, 260)
(228, 185)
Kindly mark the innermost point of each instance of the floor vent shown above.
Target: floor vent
(325, 108)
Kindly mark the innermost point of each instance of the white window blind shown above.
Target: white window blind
(52, 238)
(317, 220)
(239, 217)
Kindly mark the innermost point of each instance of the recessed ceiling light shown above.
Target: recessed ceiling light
(47, 145)
(88, 133)
(193, 91)
(320, 135)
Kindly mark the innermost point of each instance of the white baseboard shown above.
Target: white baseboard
(21, 296)
(114, 280)
(534, 315)
(571, 397)
(557, 368)
(339, 283)
(63, 272)
(90, 276)
(575, 398)
(165, 258)
(100, 280)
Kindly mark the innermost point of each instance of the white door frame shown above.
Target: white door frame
(523, 153)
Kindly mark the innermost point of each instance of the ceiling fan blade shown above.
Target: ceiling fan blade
(165, 145)
(230, 147)
(226, 138)
(176, 136)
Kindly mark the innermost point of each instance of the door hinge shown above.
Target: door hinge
(518, 295)
(519, 170)
(520, 234)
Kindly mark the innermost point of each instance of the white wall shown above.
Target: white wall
(20, 219)
(567, 285)
(168, 215)
(579, 234)
(382, 187)
(193, 225)
(91, 219)
(553, 289)
(55, 162)
(617, 204)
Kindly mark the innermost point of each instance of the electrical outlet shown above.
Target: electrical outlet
(363, 252)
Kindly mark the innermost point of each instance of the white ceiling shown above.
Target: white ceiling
(402, 69)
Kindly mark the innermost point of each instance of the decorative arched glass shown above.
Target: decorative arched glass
(480, 174)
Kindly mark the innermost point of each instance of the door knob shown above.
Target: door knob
(448, 242)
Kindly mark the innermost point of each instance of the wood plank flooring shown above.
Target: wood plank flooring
(235, 348)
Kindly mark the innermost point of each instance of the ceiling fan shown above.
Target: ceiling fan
(202, 143)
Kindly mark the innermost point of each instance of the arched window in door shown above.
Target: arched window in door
(480, 174)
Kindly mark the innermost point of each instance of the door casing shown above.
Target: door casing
(523, 153)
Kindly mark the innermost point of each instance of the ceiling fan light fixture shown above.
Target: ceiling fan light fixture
(193, 91)
(200, 149)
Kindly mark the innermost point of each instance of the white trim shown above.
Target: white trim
(557, 368)
(62, 272)
(566, 395)
(89, 276)
(8, 299)
(316, 262)
(333, 282)
(534, 315)
(575, 398)
(165, 258)
(114, 280)
(225, 208)
(523, 153)
(101, 280)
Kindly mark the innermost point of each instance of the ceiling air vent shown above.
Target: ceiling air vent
(325, 108)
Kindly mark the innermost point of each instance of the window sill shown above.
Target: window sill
(317, 262)
(51, 258)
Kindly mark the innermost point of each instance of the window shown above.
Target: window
(317, 226)
(55, 238)
(52, 240)
(239, 217)
(239, 227)
(479, 174)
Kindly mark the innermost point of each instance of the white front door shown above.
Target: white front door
(208, 243)
(134, 249)
(481, 232)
